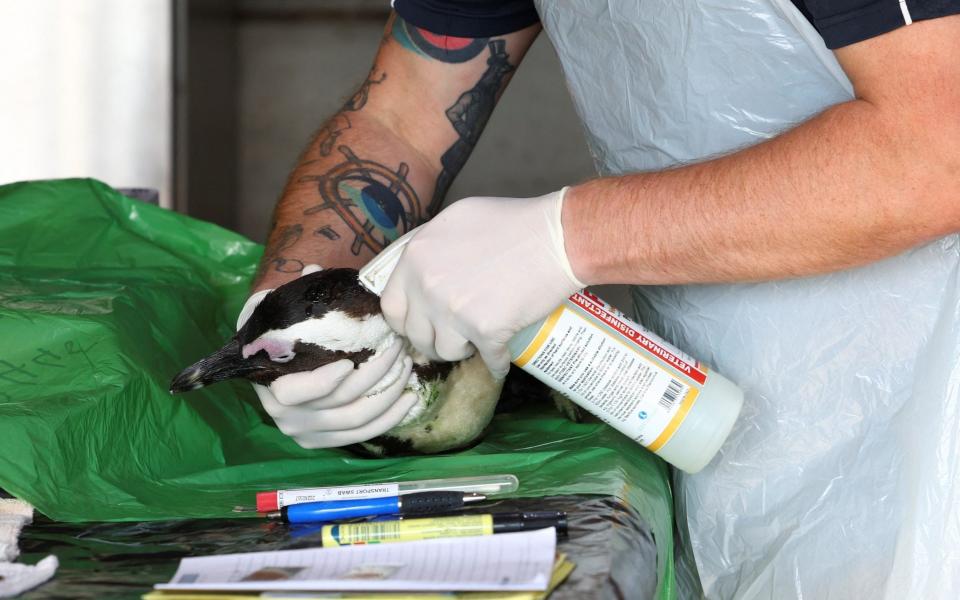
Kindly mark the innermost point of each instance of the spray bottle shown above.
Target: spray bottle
(626, 375)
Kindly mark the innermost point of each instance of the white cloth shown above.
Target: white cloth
(842, 477)
(14, 514)
(15, 578)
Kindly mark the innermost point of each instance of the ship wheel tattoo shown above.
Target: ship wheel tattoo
(375, 202)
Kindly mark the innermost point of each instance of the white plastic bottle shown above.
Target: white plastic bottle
(624, 374)
(630, 378)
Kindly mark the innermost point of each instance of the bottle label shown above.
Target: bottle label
(407, 530)
(350, 492)
(623, 373)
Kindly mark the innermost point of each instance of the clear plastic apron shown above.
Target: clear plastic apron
(841, 479)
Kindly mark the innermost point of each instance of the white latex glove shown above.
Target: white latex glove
(479, 272)
(337, 404)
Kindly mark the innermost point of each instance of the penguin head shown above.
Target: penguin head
(302, 325)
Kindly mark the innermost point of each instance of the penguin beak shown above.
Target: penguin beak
(225, 363)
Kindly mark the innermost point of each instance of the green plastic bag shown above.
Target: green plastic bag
(103, 299)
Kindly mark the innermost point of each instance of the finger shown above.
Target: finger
(268, 401)
(289, 419)
(497, 358)
(385, 422)
(297, 388)
(420, 333)
(367, 376)
(359, 413)
(393, 304)
(451, 346)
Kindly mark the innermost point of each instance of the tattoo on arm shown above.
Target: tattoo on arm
(328, 232)
(445, 48)
(468, 115)
(326, 137)
(331, 130)
(287, 238)
(374, 201)
(359, 98)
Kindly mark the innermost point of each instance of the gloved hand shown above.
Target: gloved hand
(337, 404)
(479, 272)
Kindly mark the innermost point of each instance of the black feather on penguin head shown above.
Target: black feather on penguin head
(252, 355)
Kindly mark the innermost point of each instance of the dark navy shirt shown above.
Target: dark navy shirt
(840, 22)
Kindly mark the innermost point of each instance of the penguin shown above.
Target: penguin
(326, 316)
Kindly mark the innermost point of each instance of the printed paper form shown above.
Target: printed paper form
(502, 562)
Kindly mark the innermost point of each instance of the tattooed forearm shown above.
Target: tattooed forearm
(383, 163)
(468, 115)
(374, 201)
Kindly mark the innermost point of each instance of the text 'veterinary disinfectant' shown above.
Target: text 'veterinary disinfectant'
(630, 378)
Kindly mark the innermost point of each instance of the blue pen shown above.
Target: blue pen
(424, 503)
